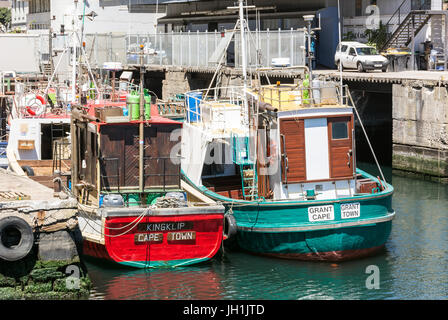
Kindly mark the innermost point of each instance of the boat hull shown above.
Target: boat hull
(322, 245)
(156, 241)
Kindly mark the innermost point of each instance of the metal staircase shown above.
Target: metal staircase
(404, 24)
(408, 29)
(248, 167)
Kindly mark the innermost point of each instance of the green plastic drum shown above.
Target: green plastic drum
(133, 105)
(147, 107)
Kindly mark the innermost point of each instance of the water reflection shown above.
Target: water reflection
(181, 283)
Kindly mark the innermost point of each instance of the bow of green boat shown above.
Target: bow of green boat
(265, 215)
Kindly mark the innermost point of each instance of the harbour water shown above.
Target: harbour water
(414, 264)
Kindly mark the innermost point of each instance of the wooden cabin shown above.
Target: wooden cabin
(305, 149)
(105, 154)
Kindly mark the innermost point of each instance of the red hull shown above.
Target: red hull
(190, 239)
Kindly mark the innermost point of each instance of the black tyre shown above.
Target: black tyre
(28, 170)
(360, 67)
(384, 69)
(229, 226)
(16, 238)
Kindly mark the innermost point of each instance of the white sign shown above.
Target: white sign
(321, 213)
(350, 210)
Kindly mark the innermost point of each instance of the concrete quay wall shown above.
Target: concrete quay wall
(420, 129)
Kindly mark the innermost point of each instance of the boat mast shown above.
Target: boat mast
(340, 64)
(74, 56)
(243, 43)
(141, 125)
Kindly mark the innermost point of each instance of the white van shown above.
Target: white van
(356, 55)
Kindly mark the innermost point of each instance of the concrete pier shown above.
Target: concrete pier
(420, 129)
(40, 248)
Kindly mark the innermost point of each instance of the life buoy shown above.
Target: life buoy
(229, 230)
(16, 238)
(34, 104)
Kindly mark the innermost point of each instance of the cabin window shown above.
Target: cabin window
(339, 130)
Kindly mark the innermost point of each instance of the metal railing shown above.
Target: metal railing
(186, 49)
(397, 18)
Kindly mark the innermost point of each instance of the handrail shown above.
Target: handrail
(405, 8)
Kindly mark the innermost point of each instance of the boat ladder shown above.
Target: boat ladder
(248, 168)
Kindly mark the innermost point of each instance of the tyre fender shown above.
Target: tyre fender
(23, 247)
(28, 171)
(230, 229)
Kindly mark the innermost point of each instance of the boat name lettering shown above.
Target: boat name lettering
(321, 213)
(165, 226)
(350, 210)
(180, 236)
(148, 237)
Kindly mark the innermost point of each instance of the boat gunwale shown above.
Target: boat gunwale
(388, 191)
(318, 227)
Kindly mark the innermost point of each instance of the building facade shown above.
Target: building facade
(102, 16)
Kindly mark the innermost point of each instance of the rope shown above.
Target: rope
(135, 223)
(365, 134)
(136, 220)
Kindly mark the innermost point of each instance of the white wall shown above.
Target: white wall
(114, 18)
(25, 52)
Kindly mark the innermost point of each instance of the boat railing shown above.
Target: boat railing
(61, 153)
(290, 97)
(207, 107)
(164, 173)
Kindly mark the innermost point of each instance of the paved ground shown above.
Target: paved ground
(441, 76)
(11, 182)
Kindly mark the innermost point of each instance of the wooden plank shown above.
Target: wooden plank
(13, 196)
(294, 132)
(189, 189)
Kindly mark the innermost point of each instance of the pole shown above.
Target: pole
(141, 127)
(243, 44)
(74, 56)
(50, 49)
(310, 57)
(340, 40)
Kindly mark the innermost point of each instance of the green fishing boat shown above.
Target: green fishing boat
(291, 187)
(282, 160)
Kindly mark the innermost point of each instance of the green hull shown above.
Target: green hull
(283, 228)
(331, 245)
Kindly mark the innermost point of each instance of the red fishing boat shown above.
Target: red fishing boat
(134, 209)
